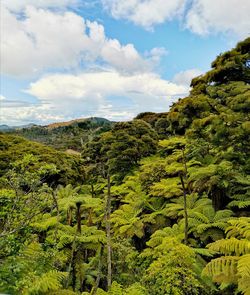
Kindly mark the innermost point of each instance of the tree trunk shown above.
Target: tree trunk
(92, 190)
(185, 194)
(98, 278)
(78, 217)
(108, 234)
(57, 213)
(185, 209)
(69, 269)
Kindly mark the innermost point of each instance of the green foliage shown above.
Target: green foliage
(173, 271)
(233, 267)
(14, 148)
(121, 148)
(66, 135)
(178, 205)
(117, 289)
(33, 272)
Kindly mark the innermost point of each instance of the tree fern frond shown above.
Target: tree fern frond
(222, 269)
(244, 266)
(223, 215)
(213, 234)
(241, 204)
(239, 227)
(230, 246)
(244, 285)
(46, 223)
(204, 252)
(50, 281)
(200, 217)
(63, 292)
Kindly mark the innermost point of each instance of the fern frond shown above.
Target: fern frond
(242, 204)
(213, 234)
(223, 215)
(46, 223)
(239, 227)
(48, 282)
(244, 266)
(204, 252)
(244, 285)
(230, 246)
(222, 269)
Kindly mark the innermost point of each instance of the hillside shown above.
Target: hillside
(159, 205)
(65, 135)
(13, 148)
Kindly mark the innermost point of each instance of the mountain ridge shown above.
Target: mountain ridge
(68, 135)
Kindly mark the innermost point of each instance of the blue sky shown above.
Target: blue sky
(65, 59)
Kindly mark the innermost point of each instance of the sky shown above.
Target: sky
(68, 59)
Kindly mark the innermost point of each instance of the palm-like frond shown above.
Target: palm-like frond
(211, 223)
(46, 283)
(231, 246)
(167, 188)
(239, 227)
(243, 269)
(45, 223)
(222, 269)
(234, 267)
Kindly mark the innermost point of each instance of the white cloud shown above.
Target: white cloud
(20, 5)
(66, 96)
(45, 39)
(145, 13)
(101, 84)
(29, 114)
(206, 16)
(185, 77)
(2, 97)
(156, 54)
(199, 16)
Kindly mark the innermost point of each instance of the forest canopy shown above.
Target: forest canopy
(157, 205)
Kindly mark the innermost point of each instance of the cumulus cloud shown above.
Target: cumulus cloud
(54, 87)
(20, 5)
(232, 16)
(96, 93)
(185, 77)
(44, 39)
(30, 113)
(145, 13)
(199, 16)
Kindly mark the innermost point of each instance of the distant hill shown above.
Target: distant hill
(13, 148)
(63, 136)
(79, 122)
(5, 127)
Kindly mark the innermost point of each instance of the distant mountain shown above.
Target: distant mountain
(25, 126)
(5, 127)
(70, 135)
(77, 122)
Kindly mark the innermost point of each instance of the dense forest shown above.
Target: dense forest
(63, 136)
(157, 205)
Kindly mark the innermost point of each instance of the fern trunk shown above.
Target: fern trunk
(185, 209)
(108, 233)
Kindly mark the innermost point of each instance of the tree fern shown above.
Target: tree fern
(222, 269)
(167, 188)
(213, 223)
(233, 267)
(45, 284)
(45, 223)
(239, 227)
(240, 192)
